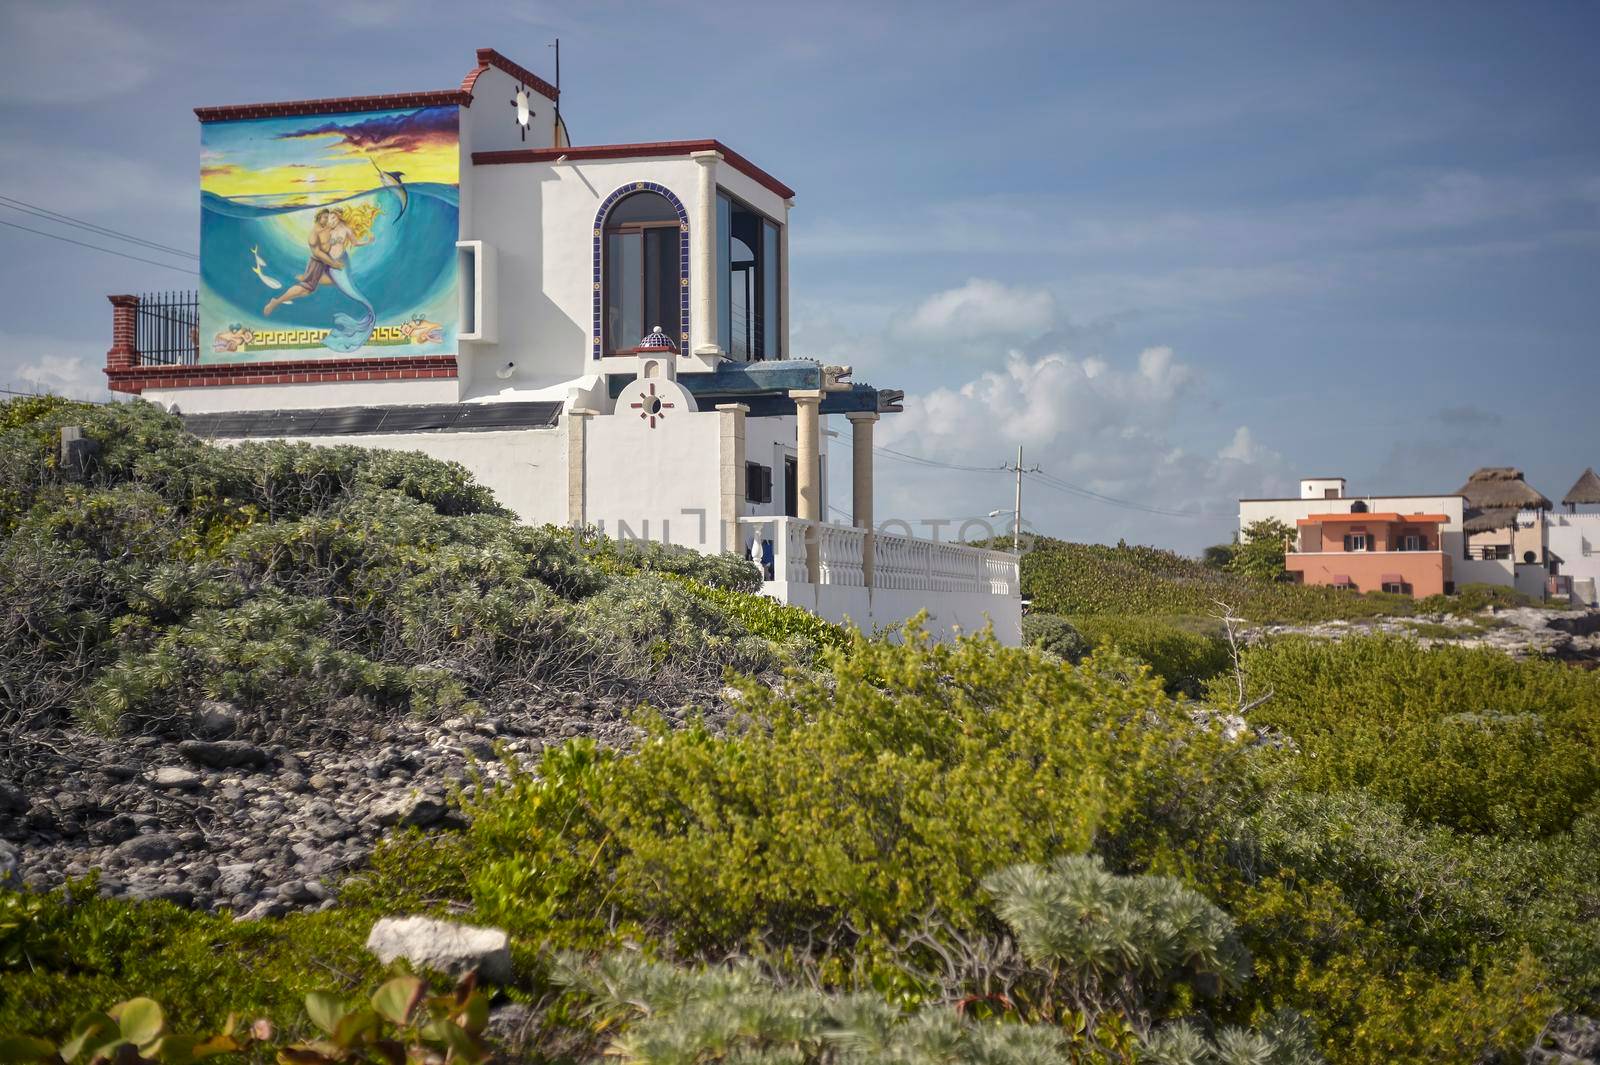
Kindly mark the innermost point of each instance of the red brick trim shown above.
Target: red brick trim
(312, 371)
(124, 351)
(637, 151)
(488, 57)
(335, 105)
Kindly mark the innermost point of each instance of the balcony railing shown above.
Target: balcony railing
(156, 329)
(902, 563)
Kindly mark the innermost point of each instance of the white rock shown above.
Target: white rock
(442, 945)
(169, 776)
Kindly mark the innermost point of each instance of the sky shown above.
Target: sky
(1179, 253)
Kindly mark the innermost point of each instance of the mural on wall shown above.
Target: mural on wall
(329, 235)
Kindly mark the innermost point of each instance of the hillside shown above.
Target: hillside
(322, 741)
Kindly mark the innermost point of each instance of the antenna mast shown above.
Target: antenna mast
(557, 47)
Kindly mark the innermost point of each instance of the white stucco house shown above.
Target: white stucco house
(600, 333)
(1573, 535)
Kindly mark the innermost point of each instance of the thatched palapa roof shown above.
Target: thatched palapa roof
(1496, 487)
(1489, 520)
(1586, 490)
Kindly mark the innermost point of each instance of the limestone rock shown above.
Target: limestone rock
(418, 810)
(224, 754)
(174, 778)
(444, 946)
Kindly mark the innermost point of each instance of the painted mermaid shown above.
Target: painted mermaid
(334, 232)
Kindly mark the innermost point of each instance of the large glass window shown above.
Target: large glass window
(641, 271)
(748, 282)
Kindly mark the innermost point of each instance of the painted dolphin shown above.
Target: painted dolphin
(260, 266)
(391, 180)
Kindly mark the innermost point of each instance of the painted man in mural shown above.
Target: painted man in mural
(330, 240)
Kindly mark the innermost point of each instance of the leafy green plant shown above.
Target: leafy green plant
(1056, 635)
(1261, 549)
(399, 1023)
(1184, 656)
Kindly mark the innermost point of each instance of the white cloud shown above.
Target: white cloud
(72, 377)
(74, 368)
(1112, 427)
(982, 308)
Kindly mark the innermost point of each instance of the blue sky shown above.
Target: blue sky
(1179, 252)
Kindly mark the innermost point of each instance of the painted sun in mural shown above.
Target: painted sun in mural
(651, 406)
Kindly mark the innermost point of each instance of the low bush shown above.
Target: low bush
(1184, 653)
(847, 807)
(1056, 635)
(1467, 738)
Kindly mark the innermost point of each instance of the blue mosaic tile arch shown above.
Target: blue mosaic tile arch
(596, 341)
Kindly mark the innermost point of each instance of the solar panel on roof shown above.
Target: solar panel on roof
(355, 421)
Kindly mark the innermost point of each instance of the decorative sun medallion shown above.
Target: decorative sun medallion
(652, 406)
(525, 112)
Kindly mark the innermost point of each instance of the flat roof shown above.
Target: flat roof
(1388, 518)
(1302, 499)
(643, 150)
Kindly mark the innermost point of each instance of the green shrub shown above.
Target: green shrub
(1261, 549)
(1056, 635)
(860, 800)
(792, 627)
(1467, 738)
(1185, 656)
(1077, 580)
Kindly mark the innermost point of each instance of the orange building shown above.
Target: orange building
(1372, 552)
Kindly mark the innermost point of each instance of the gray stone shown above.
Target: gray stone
(12, 800)
(10, 862)
(263, 909)
(151, 848)
(412, 809)
(235, 878)
(217, 718)
(178, 896)
(224, 754)
(444, 946)
(115, 829)
(173, 778)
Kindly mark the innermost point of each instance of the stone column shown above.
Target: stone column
(783, 280)
(808, 472)
(861, 423)
(703, 259)
(731, 473)
(577, 465)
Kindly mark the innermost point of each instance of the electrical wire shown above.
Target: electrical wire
(67, 219)
(96, 247)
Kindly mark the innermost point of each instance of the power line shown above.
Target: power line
(96, 247)
(66, 219)
(1050, 481)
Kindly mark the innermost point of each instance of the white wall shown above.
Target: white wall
(881, 608)
(1575, 539)
(216, 398)
(662, 483)
(525, 468)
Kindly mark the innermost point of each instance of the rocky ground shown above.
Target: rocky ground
(1566, 635)
(259, 825)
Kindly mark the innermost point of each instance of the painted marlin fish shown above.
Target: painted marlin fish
(260, 266)
(391, 180)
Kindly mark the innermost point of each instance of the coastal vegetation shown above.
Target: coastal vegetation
(894, 850)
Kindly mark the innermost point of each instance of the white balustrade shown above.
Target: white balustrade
(902, 563)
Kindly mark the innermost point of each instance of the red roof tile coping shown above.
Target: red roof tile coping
(135, 379)
(335, 105)
(637, 151)
(488, 57)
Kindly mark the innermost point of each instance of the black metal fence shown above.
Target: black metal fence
(169, 329)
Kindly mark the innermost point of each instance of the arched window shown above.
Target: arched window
(643, 271)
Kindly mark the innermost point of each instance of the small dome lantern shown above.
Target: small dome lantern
(655, 341)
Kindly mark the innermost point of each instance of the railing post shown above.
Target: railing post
(124, 351)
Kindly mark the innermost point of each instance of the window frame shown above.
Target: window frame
(608, 345)
(762, 288)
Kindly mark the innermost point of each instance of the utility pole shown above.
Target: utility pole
(1016, 512)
